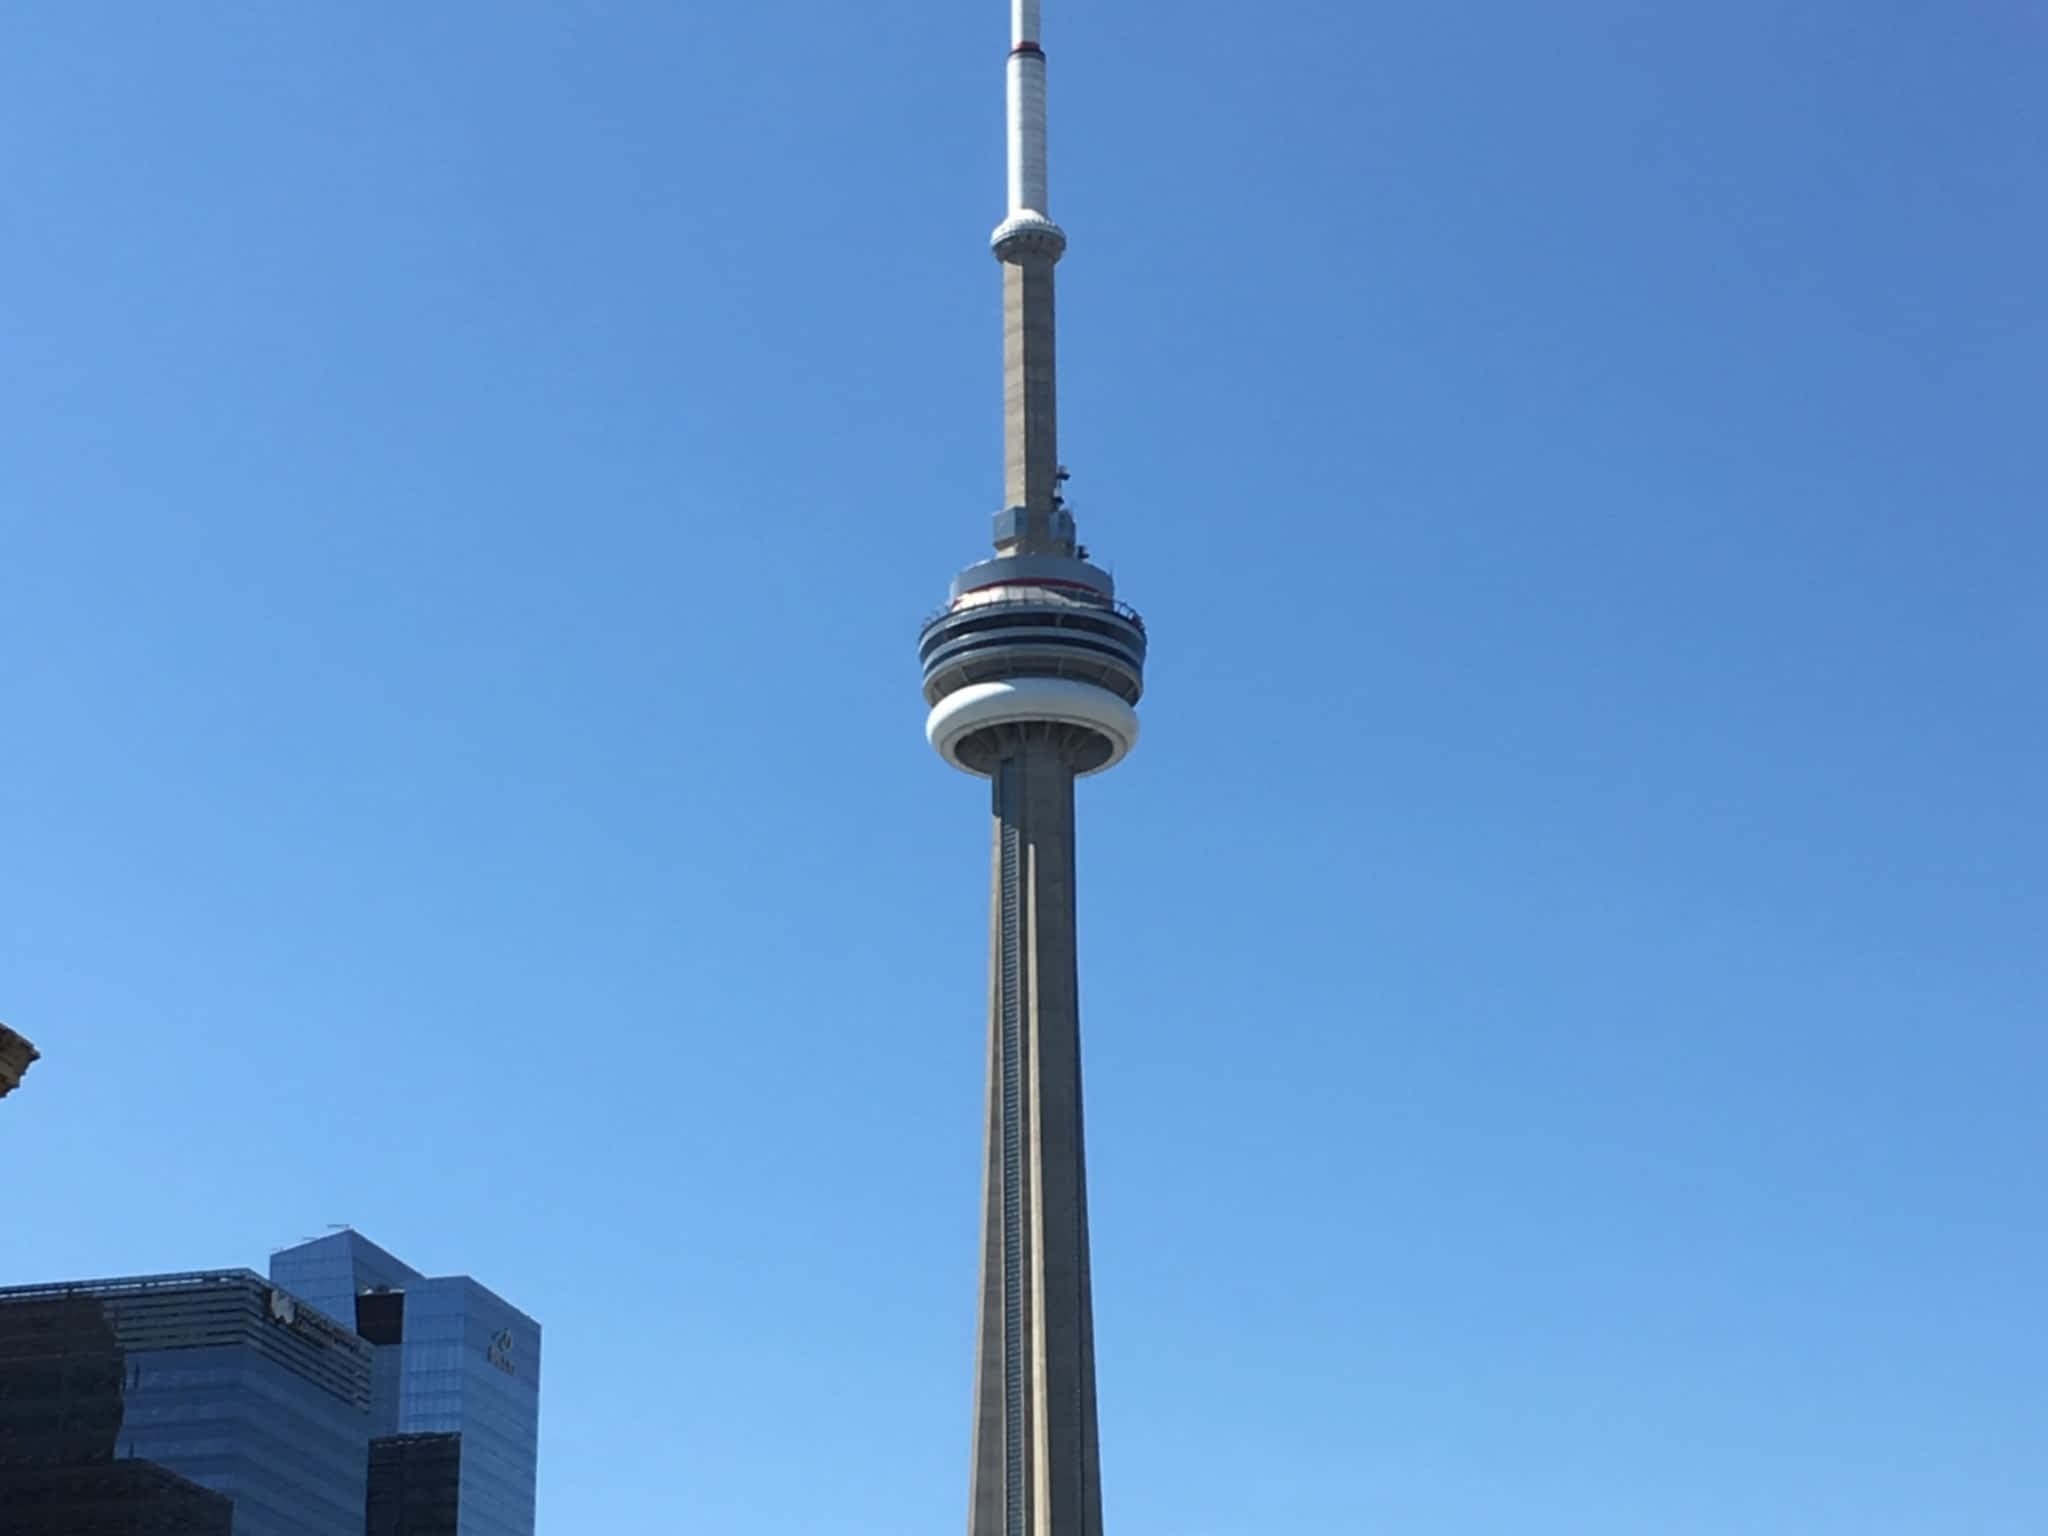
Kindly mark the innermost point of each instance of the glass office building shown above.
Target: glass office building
(455, 1388)
(207, 1404)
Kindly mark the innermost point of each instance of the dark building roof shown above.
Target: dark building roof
(109, 1498)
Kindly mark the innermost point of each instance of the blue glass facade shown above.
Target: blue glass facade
(225, 1381)
(449, 1358)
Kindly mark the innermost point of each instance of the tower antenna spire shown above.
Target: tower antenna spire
(1034, 520)
(1027, 110)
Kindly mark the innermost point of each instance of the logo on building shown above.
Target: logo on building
(499, 1351)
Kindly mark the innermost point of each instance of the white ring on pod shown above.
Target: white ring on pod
(1030, 700)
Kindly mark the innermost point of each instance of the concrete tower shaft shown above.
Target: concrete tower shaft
(1036, 1459)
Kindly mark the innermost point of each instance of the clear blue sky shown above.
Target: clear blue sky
(1565, 973)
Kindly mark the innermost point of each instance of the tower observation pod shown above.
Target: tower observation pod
(1034, 637)
(1032, 671)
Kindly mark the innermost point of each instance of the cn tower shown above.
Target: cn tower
(1031, 671)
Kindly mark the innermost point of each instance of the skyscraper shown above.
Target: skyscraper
(196, 1403)
(1031, 672)
(454, 1393)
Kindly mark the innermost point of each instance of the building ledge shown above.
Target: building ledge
(15, 1056)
